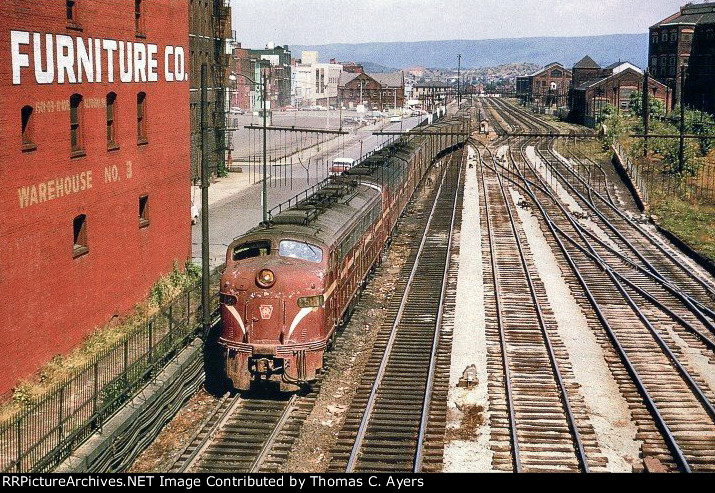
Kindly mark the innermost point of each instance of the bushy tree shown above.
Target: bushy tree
(615, 127)
(671, 157)
(656, 106)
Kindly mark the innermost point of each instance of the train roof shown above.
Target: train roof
(325, 214)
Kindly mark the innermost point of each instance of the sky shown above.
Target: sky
(312, 22)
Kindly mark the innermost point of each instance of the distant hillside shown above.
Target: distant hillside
(491, 52)
(376, 68)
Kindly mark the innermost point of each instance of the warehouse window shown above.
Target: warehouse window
(76, 141)
(28, 142)
(144, 211)
(80, 236)
(71, 11)
(111, 124)
(138, 17)
(141, 118)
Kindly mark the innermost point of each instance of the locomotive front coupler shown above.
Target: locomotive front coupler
(266, 366)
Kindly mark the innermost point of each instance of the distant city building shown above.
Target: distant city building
(671, 43)
(275, 62)
(374, 91)
(352, 68)
(210, 41)
(586, 72)
(95, 168)
(700, 82)
(686, 38)
(316, 83)
(242, 72)
(547, 88)
(616, 89)
(431, 93)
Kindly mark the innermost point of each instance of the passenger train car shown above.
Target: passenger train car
(289, 284)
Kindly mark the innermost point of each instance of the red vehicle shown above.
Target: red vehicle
(341, 165)
(287, 287)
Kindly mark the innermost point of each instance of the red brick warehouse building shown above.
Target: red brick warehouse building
(94, 164)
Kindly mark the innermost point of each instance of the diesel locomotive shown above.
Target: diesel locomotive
(288, 284)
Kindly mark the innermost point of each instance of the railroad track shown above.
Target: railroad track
(239, 436)
(547, 426)
(254, 433)
(653, 311)
(393, 424)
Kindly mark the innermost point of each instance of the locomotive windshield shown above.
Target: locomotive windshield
(251, 250)
(301, 251)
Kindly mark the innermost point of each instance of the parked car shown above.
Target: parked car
(341, 165)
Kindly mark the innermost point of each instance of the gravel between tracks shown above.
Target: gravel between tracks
(568, 200)
(467, 448)
(608, 410)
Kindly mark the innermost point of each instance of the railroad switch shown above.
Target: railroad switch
(469, 377)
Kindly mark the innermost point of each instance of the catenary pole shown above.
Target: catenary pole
(205, 268)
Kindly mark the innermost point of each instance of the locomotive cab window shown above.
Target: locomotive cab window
(300, 250)
(251, 250)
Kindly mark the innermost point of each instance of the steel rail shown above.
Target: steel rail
(685, 375)
(684, 323)
(695, 306)
(419, 454)
(667, 434)
(635, 226)
(578, 443)
(620, 213)
(208, 439)
(352, 461)
(635, 377)
(676, 290)
(509, 394)
(271, 440)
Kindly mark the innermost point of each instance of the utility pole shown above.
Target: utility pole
(265, 148)
(205, 269)
(681, 152)
(646, 110)
(459, 80)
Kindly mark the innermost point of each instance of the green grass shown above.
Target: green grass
(690, 220)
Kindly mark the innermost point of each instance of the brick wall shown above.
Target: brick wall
(52, 300)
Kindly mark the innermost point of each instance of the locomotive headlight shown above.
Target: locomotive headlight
(311, 301)
(266, 278)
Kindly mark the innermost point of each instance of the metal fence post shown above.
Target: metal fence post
(60, 417)
(151, 342)
(19, 444)
(96, 387)
(170, 332)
